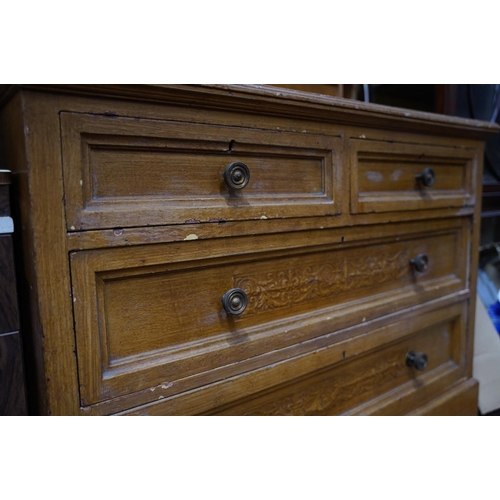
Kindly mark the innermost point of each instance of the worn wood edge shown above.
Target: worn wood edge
(132, 236)
(46, 264)
(353, 105)
(253, 119)
(273, 243)
(278, 101)
(370, 311)
(444, 286)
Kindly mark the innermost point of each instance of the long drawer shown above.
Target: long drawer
(151, 315)
(122, 172)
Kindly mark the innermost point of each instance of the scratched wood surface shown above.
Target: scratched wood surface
(384, 176)
(332, 391)
(116, 189)
(343, 363)
(126, 172)
(265, 100)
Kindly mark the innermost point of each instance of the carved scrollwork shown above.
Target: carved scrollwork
(294, 286)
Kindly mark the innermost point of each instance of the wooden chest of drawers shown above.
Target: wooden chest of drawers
(244, 250)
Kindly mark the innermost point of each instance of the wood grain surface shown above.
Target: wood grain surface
(278, 101)
(461, 400)
(332, 391)
(130, 237)
(160, 321)
(126, 172)
(338, 358)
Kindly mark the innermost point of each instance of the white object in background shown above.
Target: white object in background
(6, 225)
(486, 364)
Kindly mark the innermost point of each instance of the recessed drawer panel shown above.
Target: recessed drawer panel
(150, 314)
(388, 177)
(121, 172)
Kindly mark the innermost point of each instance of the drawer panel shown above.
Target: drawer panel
(150, 314)
(121, 172)
(369, 375)
(385, 177)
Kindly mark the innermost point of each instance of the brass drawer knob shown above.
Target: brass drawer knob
(417, 360)
(420, 262)
(235, 301)
(427, 177)
(237, 175)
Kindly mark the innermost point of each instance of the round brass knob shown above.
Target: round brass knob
(420, 262)
(237, 175)
(427, 177)
(417, 360)
(235, 301)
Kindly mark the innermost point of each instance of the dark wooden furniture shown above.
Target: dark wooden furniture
(12, 389)
(245, 249)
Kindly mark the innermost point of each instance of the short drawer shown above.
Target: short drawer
(153, 315)
(388, 176)
(123, 172)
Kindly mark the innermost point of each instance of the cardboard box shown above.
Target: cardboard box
(486, 364)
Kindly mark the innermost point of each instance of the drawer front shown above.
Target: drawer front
(122, 172)
(386, 177)
(150, 314)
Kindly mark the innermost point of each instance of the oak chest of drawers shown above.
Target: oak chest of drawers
(244, 249)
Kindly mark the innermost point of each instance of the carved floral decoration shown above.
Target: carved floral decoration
(294, 286)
